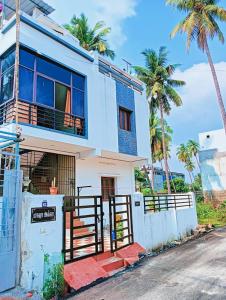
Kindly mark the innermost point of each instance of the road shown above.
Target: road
(195, 270)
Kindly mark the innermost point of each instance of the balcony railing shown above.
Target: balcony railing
(38, 115)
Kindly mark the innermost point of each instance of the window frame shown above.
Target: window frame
(125, 119)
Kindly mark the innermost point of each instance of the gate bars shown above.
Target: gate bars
(121, 224)
(82, 233)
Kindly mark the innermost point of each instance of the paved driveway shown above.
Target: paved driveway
(196, 270)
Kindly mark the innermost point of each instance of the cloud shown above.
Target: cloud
(200, 111)
(113, 12)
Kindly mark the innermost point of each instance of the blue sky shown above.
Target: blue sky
(140, 24)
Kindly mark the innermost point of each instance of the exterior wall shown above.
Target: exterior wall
(38, 239)
(123, 172)
(152, 230)
(213, 164)
(102, 106)
(127, 139)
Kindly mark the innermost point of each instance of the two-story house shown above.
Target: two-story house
(84, 121)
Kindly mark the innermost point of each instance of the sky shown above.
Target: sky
(140, 24)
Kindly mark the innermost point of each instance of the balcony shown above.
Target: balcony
(42, 116)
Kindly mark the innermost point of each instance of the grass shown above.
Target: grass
(207, 214)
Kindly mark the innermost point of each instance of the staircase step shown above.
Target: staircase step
(103, 256)
(111, 264)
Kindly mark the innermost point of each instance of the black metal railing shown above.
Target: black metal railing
(40, 115)
(165, 202)
(121, 222)
(83, 234)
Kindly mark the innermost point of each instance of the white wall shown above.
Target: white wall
(152, 230)
(38, 239)
(213, 160)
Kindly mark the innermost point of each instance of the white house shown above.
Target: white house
(85, 127)
(213, 164)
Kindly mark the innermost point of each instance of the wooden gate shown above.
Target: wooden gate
(121, 225)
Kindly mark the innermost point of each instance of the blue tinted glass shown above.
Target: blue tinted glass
(45, 91)
(78, 103)
(26, 84)
(27, 59)
(7, 83)
(78, 81)
(53, 71)
(8, 61)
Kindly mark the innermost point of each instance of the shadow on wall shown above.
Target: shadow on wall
(210, 177)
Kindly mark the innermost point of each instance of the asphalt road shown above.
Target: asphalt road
(196, 270)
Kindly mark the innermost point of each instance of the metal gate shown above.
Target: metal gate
(82, 227)
(10, 196)
(121, 225)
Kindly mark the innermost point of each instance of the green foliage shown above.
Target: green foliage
(54, 284)
(91, 39)
(207, 214)
(146, 191)
(142, 179)
(197, 183)
(180, 185)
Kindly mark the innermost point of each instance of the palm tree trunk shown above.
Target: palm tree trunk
(164, 148)
(198, 162)
(191, 180)
(152, 178)
(217, 86)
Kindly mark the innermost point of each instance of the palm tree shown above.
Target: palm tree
(156, 141)
(157, 75)
(91, 39)
(200, 24)
(183, 154)
(189, 166)
(193, 148)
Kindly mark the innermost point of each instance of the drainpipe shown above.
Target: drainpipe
(17, 53)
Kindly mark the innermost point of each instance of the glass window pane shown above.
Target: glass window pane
(45, 91)
(53, 71)
(27, 59)
(62, 98)
(78, 103)
(8, 61)
(78, 81)
(7, 81)
(26, 84)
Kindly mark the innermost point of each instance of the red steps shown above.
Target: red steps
(89, 270)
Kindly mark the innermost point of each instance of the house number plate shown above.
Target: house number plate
(43, 214)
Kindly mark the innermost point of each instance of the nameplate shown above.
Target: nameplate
(43, 214)
(137, 203)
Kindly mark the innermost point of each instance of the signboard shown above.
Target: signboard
(43, 214)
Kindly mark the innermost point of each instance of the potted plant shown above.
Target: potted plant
(53, 189)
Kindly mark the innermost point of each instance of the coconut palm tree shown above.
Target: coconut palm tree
(156, 141)
(193, 148)
(183, 154)
(200, 24)
(91, 39)
(157, 75)
(189, 166)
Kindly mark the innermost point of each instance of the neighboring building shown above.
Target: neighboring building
(160, 178)
(212, 158)
(84, 121)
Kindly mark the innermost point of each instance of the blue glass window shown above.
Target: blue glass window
(27, 59)
(53, 71)
(78, 100)
(26, 78)
(78, 82)
(8, 61)
(7, 81)
(45, 91)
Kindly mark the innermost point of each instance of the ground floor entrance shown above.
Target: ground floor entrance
(84, 231)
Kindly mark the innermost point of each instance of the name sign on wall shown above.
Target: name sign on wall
(43, 214)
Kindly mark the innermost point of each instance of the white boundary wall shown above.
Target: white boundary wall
(38, 239)
(153, 230)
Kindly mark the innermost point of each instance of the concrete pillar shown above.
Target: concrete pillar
(138, 218)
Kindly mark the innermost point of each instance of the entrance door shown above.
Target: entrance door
(107, 187)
